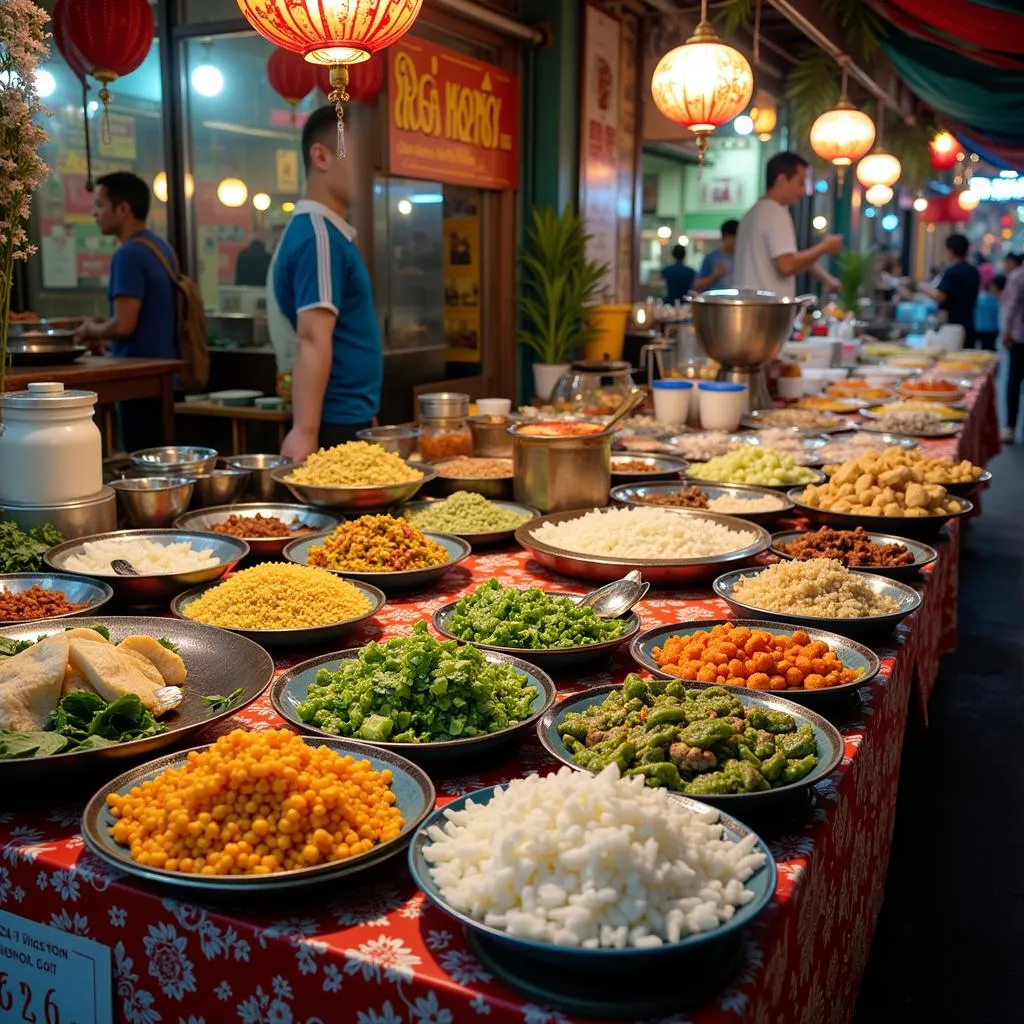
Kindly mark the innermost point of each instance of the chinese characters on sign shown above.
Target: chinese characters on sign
(453, 119)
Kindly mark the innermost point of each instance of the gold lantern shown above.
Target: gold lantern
(843, 134)
(878, 195)
(764, 114)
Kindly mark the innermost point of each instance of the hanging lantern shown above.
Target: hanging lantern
(110, 39)
(879, 167)
(944, 149)
(702, 84)
(335, 33)
(967, 200)
(160, 190)
(764, 114)
(364, 80)
(878, 195)
(844, 133)
(290, 77)
(232, 192)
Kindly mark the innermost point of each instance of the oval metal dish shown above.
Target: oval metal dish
(354, 500)
(923, 554)
(658, 572)
(487, 538)
(290, 690)
(551, 659)
(301, 636)
(458, 550)
(634, 495)
(852, 654)
(316, 519)
(759, 419)
(819, 478)
(217, 664)
(415, 798)
(77, 590)
(872, 627)
(829, 741)
(662, 467)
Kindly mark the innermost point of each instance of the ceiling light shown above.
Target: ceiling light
(920, 204)
(261, 201)
(160, 186)
(404, 207)
(288, 206)
(426, 198)
(819, 223)
(664, 232)
(878, 195)
(232, 192)
(46, 84)
(744, 124)
(207, 80)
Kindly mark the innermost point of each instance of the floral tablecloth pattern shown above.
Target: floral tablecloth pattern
(374, 952)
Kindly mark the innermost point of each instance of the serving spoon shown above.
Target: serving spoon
(613, 600)
(633, 400)
(123, 568)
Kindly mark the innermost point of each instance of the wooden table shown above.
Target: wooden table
(114, 379)
(238, 415)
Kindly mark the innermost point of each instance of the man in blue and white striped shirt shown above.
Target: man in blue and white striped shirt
(318, 286)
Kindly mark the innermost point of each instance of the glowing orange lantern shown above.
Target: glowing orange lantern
(332, 32)
(879, 195)
(702, 84)
(944, 149)
(764, 114)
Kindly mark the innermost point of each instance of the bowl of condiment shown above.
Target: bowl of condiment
(265, 526)
(645, 468)
(174, 460)
(153, 502)
(471, 516)
(756, 504)
(491, 477)
(26, 596)
(880, 553)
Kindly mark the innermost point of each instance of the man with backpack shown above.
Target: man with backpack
(155, 311)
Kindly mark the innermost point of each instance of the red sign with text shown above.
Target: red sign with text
(452, 119)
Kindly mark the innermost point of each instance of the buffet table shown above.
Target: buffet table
(374, 952)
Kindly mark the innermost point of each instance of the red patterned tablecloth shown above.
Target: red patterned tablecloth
(375, 952)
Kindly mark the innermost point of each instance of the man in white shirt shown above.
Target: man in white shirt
(766, 254)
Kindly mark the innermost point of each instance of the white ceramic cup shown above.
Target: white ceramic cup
(672, 400)
(791, 387)
(722, 404)
(494, 406)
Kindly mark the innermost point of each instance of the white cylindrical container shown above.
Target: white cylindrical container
(722, 404)
(672, 400)
(50, 448)
(494, 406)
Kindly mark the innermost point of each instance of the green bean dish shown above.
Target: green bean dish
(700, 742)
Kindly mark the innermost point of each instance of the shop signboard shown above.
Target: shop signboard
(452, 119)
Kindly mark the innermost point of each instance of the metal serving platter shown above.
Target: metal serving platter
(811, 444)
(354, 500)
(415, 798)
(217, 663)
(43, 352)
(944, 429)
(158, 588)
(889, 440)
(758, 419)
(487, 538)
(635, 495)
(660, 572)
(850, 653)
(290, 690)
(662, 467)
(458, 549)
(315, 519)
(553, 659)
(872, 627)
(679, 441)
(918, 527)
(829, 742)
(970, 487)
(923, 554)
(286, 639)
(77, 590)
(819, 478)
(601, 961)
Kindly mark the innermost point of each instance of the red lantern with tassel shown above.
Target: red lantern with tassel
(110, 39)
(364, 80)
(943, 149)
(290, 77)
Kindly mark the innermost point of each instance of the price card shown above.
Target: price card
(50, 977)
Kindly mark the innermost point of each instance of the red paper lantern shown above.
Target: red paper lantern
(364, 80)
(290, 76)
(60, 19)
(944, 149)
(336, 33)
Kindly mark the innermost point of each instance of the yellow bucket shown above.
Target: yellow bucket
(609, 326)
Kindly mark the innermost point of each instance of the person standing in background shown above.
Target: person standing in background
(143, 306)
(716, 268)
(986, 313)
(252, 264)
(320, 300)
(1013, 342)
(957, 290)
(766, 253)
(678, 276)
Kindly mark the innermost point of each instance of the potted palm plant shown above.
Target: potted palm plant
(558, 284)
(853, 268)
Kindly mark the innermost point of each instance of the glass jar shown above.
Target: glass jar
(593, 388)
(444, 425)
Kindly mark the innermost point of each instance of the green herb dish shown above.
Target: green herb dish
(23, 551)
(547, 628)
(470, 515)
(704, 741)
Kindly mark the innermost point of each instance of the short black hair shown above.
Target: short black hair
(785, 163)
(1015, 258)
(679, 252)
(958, 245)
(321, 126)
(730, 227)
(998, 281)
(125, 187)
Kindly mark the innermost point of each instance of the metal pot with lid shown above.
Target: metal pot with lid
(51, 451)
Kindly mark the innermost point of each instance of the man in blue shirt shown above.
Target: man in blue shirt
(678, 276)
(143, 309)
(320, 288)
(716, 268)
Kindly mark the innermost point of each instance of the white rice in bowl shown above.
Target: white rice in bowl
(148, 557)
(644, 533)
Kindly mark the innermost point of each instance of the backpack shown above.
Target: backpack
(193, 342)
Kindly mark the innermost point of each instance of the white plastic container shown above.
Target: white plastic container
(50, 448)
(493, 406)
(672, 400)
(790, 388)
(722, 404)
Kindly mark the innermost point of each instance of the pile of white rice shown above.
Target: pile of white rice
(590, 861)
(641, 533)
(730, 505)
(148, 557)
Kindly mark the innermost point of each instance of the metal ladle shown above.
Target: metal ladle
(613, 600)
(634, 399)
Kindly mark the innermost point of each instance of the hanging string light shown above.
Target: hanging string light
(702, 84)
(879, 167)
(844, 133)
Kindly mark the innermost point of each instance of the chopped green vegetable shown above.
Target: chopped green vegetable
(9, 647)
(528, 620)
(416, 690)
(218, 702)
(23, 552)
(466, 512)
(169, 644)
